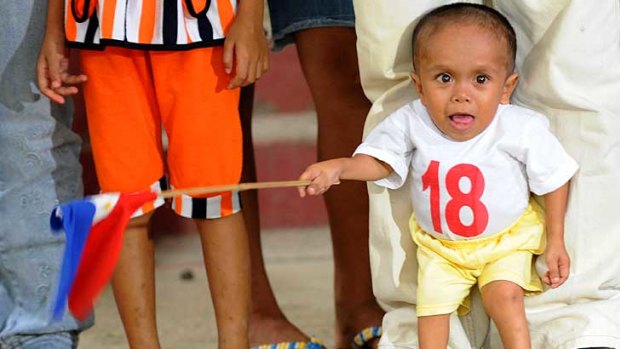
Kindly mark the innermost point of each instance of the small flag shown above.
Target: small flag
(94, 228)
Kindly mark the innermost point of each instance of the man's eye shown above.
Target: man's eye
(445, 78)
(481, 79)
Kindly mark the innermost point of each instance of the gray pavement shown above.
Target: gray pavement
(299, 264)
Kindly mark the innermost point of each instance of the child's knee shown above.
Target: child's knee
(502, 293)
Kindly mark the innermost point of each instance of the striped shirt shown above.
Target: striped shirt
(148, 24)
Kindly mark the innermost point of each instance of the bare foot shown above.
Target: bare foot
(275, 329)
(350, 322)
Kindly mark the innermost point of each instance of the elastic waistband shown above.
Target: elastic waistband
(532, 209)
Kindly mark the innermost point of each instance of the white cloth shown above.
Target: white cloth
(569, 61)
(475, 188)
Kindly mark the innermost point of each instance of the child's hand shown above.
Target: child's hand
(323, 175)
(53, 77)
(246, 53)
(558, 264)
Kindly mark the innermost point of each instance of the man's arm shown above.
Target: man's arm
(557, 258)
(327, 173)
(246, 53)
(53, 77)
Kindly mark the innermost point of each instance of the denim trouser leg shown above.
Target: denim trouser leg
(39, 167)
(55, 340)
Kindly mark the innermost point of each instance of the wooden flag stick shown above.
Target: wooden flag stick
(232, 187)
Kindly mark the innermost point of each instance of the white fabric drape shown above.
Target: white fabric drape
(569, 62)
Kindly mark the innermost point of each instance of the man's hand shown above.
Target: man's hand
(323, 175)
(246, 53)
(558, 264)
(53, 77)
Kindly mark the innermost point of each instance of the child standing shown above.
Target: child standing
(178, 64)
(474, 160)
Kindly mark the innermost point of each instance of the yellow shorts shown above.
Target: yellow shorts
(131, 94)
(447, 270)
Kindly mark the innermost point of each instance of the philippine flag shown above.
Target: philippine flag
(94, 228)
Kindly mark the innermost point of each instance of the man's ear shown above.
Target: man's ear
(509, 87)
(418, 84)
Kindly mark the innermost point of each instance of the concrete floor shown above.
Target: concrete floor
(299, 263)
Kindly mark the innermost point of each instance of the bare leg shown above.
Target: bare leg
(329, 60)
(433, 331)
(133, 283)
(267, 322)
(226, 258)
(503, 301)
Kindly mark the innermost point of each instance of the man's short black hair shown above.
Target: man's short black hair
(465, 13)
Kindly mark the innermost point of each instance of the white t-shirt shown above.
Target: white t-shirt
(476, 188)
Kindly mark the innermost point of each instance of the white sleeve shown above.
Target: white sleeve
(391, 143)
(548, 165)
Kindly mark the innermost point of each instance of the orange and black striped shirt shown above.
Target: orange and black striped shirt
(148, 24)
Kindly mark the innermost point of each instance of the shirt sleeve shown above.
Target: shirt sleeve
(548, 165)
(390, 141)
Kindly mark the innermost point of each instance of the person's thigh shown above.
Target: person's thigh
(124, 120)
(442, 286)
(201, 118)
(329, 62)
(516, 268)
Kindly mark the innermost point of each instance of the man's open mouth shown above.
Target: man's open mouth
(462, 120)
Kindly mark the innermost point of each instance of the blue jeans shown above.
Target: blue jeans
(290, 16)
(63, 340)
(39, 168)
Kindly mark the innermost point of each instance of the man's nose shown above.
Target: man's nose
(460, 94)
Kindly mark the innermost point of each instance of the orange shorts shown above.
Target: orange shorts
(131, 94)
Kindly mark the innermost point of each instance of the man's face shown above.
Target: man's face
(462, 77)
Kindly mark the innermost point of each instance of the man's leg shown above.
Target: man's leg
(133, 283)
(503, 301)
(433, 331)
(329, 62)
(384, 49)
(226, 257)
(267, 322)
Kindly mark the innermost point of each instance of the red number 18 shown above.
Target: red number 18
(458, 199)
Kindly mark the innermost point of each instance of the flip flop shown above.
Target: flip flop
(314, 343)
(363, 337)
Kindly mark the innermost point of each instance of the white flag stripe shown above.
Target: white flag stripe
(104, 203)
